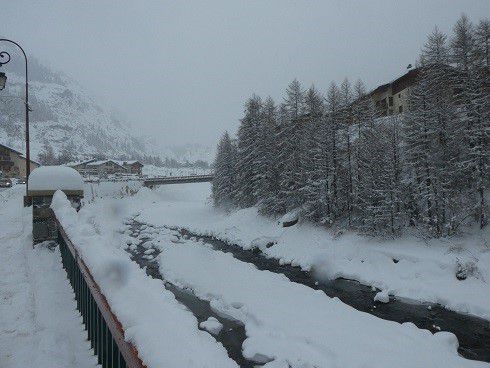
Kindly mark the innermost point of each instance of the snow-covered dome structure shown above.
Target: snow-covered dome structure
(52, 178)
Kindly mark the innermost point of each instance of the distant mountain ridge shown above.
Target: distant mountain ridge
(67, 118)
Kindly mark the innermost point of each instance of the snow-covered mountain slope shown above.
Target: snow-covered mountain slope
(68, 118)
(64, 116)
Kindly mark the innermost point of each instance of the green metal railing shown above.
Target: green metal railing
(104, 330)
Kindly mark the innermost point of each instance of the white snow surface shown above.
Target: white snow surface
(39, 324)
(212, 325)
(164, 332)
(407, 267)
(287, 324)
(296, 326)
(55, 178)
(382, 297)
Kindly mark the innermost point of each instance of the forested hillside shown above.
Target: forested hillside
(331, 157)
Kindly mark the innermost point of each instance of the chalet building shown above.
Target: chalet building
(392, 98)
(103, 168)
(81, 167)
(13, 162)
(132, 167)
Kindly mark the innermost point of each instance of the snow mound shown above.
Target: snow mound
(212, 325)
(290, 218)
(382, 297)
(55, 178)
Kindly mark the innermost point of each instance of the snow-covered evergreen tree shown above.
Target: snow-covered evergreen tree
(431, 134)
(223, 186)
(317, 161)
(340, 164)
(479, 131)
(47, 155)
(246, 169)
(268, 170)
(469, 48)
(346, 126)
(334, 109)
(290, 136)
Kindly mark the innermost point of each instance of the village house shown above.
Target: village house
(392, 98)
(13, 162)
(132, 167)
(82, 168)
(103, 168)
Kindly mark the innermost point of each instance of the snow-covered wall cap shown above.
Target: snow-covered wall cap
(53, 178)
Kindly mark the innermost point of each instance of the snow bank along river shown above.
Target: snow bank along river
(286, 323)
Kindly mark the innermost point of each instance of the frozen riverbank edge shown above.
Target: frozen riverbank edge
(407, 267)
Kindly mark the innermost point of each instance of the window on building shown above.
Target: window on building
(390, 101)
(400, 109)
(399, 95)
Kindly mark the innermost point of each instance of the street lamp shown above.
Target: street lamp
(4, 59)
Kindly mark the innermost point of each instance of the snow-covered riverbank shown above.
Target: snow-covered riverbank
(406, 267)
(286, 322)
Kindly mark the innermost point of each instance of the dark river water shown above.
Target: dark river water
(473, 333)
(231, 335)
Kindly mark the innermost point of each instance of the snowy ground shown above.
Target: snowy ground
(287, 324)
(163, 331)
(152, 171)
(39, 324)
(406, 267)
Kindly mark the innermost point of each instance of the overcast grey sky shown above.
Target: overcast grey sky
(183, 69)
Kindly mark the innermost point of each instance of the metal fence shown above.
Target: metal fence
(104, 330)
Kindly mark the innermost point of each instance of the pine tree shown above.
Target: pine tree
(67, 153)
(333, 121)
(430, 131)
(477, 133)
(346, 124)
(315, 157)
(246, 169)
(47, 155)
(268, 180)
(290, 138)
(223, 185)
(363, 116)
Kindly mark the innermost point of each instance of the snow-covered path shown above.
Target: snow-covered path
(39, 324)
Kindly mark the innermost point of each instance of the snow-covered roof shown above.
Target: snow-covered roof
(101, 162)
(21, 154)
(127, 162)
(47, 178)
(11, 149)
(76, 163)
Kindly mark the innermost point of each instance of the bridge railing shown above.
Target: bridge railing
(151, 182)
(104, 330)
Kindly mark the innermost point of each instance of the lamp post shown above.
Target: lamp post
(4, 59)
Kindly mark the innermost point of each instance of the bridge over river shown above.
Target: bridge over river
(164, 180)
